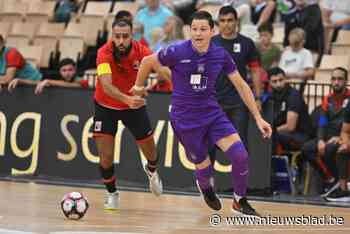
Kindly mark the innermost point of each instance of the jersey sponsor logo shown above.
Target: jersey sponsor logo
(198, 82)
(236, 48)
(98, 126)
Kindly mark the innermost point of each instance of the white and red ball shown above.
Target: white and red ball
(74, 205)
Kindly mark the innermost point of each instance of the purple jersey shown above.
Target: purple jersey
(194, 76)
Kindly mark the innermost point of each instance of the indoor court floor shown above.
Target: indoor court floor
(30, 208)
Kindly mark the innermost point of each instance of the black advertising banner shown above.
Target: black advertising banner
(50, 136)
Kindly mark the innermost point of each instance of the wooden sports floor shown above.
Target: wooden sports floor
(28, 208)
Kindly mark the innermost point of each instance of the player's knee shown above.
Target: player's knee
(238, 153)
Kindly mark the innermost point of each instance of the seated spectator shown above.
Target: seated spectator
(296, 61)
(341, 191)
(270, 54)
(64, 10)
(291, 120)
(308, 17)
(172, 32)
(320, 152)
(68, 77)
(13, 67)
(153, 15)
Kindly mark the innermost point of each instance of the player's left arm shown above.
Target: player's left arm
(248, 98)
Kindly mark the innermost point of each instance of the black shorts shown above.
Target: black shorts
(136, 120)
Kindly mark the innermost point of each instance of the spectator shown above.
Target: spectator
(320, 152)
(341, 191)
(14, 68)
(263, 11)
(336, 15)
(287, 9)
(64, 10)
(270, 54)
(308, 17)
(296, 61)
(183, 8)
(68, 77)
(172, 32)
(152, 16)
(291, 120)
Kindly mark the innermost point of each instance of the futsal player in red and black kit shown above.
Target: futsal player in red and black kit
(117, 65)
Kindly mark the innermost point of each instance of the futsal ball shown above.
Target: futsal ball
(74, 205)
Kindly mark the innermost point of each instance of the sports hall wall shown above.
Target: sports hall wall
(49, 137)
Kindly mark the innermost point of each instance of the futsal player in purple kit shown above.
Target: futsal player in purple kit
(196, 117)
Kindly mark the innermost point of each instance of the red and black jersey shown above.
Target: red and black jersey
(123, 73)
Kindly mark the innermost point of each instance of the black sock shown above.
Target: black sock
(108, 178)
(152, 165)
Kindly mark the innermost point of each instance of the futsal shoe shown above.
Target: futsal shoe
(111, 201)
(210, 197)
(155, 183)
(242, 207)
(338, 195)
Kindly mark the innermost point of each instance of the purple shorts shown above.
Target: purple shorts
(197, 138)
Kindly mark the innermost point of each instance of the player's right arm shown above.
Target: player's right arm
(104, 74)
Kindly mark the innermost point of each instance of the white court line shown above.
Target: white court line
(9, 231)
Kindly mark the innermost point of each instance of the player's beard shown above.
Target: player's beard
(118, 54)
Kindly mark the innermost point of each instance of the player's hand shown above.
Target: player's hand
(135, 102)
(13, 84)
(40, 86)
(138, 91)
(264, 127)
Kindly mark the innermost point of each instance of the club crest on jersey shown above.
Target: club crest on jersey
(201, 68)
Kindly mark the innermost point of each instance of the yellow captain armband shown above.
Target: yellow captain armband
(104, 69)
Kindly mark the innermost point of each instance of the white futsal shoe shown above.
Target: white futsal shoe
(112, 201)
(155, 183)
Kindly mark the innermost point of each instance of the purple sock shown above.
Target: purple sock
(204, 177)
(239, 160)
